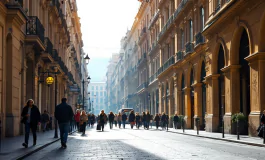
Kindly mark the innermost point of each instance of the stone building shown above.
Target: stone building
(98, 94)
(38, 38)
(202, 59)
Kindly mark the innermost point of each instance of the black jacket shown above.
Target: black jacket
(131, 117)
(63, 113)
(157, 118)
(148, 117)
(45, 118)
(176, 118)
(262, 119)
(111, 117)
(137, 118)
(124, 117)
(34, 115)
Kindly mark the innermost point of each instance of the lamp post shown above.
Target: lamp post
(83, 82)
(49, 81)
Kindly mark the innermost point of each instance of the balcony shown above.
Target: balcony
(179, 55)
(199, 38)
(62, 65)
(47, 55)
(189, 48)
(142, 86)
(142, 35)
(35, 31)
(152, 48)
(153, 78)
(154, 19)
(180, 8)
(167, 64)
(166, 26)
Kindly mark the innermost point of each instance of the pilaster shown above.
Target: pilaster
(188, 117)
(197, 103)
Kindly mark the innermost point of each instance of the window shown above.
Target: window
(96, 87)
(92, 93)
(101, 93)
(182, 38)
(92, 88)
(101, 87)
(202, 18)
(191, 31)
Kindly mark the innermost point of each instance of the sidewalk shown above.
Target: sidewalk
(244, 139)
(11, 148)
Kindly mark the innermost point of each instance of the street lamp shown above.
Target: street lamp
(49, 81)
(83, 82)
(87, 59)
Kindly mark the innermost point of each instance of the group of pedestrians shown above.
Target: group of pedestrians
(81, 120)
(46, 121)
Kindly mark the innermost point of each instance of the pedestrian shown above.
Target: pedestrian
(115, 119)
(88, 119)
(102, 118)
(50, 121)
(144, 119)
(163, 121)
(44, 120)
(157, 120)
(132, 119)
(175, 120)
(167, 121)
(92, 120)
(262, 122)
(137, 120)
(111, 119)
(64, 114)
(119, 119)
(148, 119)
(124, 118)
(77, 119)
(83, 121)
(31, 119)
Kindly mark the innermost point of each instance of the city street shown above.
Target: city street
(145, 144)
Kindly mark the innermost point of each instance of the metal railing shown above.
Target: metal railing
(199, 38)
(179, 55)
(167, 64)
(155, 17)
(189, 48)
(142, 86)
(34, 27)
(55, 54)
(48, 46)
(142, 59)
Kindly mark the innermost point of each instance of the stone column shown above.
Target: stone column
(257, 90)
(197, 103)
(232, 95)
(212, 118)
(188, 117)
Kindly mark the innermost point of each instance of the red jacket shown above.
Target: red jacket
(77, 117)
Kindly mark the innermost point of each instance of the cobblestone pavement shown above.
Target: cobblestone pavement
(146, 144)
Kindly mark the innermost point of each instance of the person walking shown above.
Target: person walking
(167, 121)
(124, 118)
(31, 119)
(132, 119)
(144, 119)
(102, 118)
(77, 119)
(137, 120)
(148, 119)
(175, 120)
(88, 119)
(111, 119)
(262, 122)
(115, 119)
(64, 114)
(163, 121)
(83, 121)
(44, 121)
(92, 120)
(119, 119)
(157, 120)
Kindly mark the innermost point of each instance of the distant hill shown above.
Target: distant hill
(97, 68)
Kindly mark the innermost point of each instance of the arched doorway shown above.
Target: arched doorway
(183, 95)
(203, 74)
(192, 98)
(221, 85)
(244, 74)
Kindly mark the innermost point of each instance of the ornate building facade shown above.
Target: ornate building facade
(38, 39)
(202, 59)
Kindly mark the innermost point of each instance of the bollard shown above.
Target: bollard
(263, 133)
(237, 127)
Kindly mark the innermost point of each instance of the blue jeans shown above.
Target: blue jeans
(147, 124)
(123, 123)
(33, 128)
(64, 129)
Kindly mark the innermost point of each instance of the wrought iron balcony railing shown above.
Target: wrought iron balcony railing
(179, 55)
(167, 64)
(143, 58)
(153, 20)
(34, 27)
(48, 46)
(142, 86)
(199, 38)
(189, 48)
(55, 54)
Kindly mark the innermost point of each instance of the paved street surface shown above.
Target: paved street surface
(146, 144)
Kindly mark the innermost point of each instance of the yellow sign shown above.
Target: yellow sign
(49, 80)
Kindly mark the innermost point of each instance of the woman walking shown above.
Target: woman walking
(157, 119)
(137, 120)
(132, 119)
(31, 118)
(77, 119)
(83, 121)
(119, 119)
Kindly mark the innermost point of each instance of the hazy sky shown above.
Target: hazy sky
(104, 23)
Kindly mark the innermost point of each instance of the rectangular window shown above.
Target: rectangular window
(96, 87)
(101, 93)
(191, 31)
(182, 38)
(101, 88)
(202, 18)
(92, 88)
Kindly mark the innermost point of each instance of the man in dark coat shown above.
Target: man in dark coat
(124, 118)
(64, 114)
(31, 118)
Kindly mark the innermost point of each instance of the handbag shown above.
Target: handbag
(98, 127)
